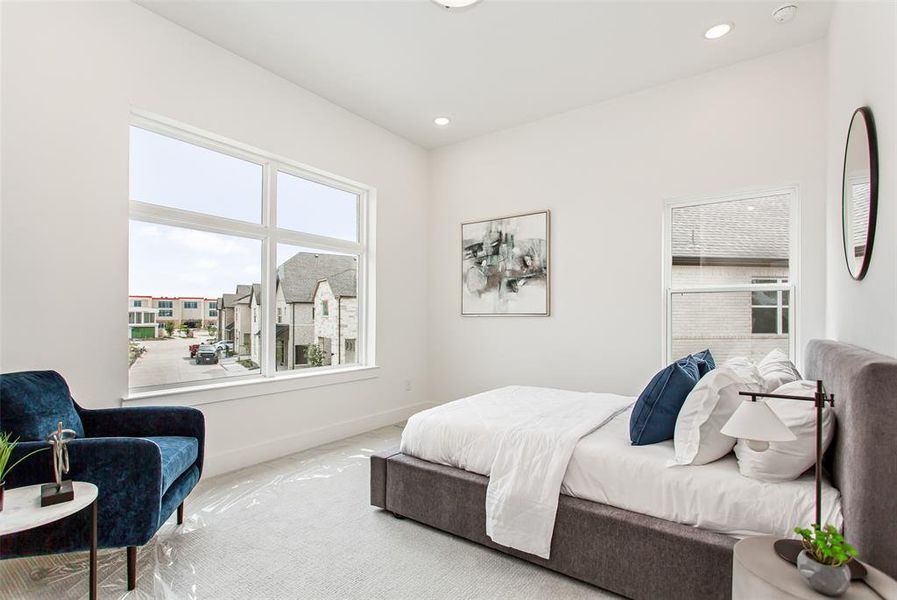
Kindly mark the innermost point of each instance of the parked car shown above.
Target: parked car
(225, 346)
(206, 354)
(193, 349)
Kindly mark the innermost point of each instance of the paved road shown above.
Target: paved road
(168, 361)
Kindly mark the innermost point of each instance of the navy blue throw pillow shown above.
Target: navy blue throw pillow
(705, 362)
(654, 415)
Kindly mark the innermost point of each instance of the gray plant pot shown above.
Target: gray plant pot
(831, 581)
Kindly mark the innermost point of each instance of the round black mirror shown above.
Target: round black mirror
(859, 192)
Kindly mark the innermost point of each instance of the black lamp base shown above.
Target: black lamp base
(789, 549)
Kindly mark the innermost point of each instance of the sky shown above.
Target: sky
(173, 261)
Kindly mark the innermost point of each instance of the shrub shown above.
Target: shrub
(315, 355)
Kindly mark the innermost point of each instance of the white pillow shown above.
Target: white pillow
(784, 461)
(738, 362)
(697, 438)
(777, 370)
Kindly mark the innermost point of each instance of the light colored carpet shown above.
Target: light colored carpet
(297, 527)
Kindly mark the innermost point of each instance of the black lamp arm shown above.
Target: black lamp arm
(820, 395)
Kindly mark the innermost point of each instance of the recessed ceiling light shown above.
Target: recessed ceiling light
(441, 121)
(718, 31)
(456, 3)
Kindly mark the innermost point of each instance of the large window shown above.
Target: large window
(730, 275)
(271, 239)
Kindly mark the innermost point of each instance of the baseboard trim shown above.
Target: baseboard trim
(247, 456)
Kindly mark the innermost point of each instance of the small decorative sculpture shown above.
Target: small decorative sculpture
(61, 491)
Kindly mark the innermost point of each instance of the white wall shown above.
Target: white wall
(862, 72)
(604, 171)
(70, 74)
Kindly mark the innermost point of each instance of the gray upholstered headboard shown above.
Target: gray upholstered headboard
(863, 457)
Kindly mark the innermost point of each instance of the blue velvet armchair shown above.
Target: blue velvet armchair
(144, 461)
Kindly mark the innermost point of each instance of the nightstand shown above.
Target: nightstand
(758, 572)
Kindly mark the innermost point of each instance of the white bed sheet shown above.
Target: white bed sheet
(606, 468)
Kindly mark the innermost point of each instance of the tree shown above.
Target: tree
(169, 328)
(315, 355)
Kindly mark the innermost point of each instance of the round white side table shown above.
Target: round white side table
(22, 511)
(758, 572)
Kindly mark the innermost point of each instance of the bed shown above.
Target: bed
(685, 549)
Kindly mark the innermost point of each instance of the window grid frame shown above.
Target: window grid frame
(668, 290)
(269, 235)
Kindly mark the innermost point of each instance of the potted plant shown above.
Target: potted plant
(822, 563)
(6, 448)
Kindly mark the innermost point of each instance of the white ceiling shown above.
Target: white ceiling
(497, 64)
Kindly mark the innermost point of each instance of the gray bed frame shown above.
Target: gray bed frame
(645, 557)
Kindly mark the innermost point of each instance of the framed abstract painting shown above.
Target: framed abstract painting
(505, 266)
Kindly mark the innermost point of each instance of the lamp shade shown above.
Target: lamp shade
(755, 421)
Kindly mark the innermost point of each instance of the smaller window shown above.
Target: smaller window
(132, 318)
(165, 313)
(165, 304)
(324, 309)
(190, 304)
(279, 314)
(212, 304)
(137, 303)
(769, 309)
(213, 312)
(148, 317)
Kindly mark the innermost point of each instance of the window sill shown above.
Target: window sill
(227, 391)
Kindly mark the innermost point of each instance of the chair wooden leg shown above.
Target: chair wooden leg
(181, 514)
(132, 567)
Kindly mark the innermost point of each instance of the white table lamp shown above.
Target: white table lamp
(757, 424)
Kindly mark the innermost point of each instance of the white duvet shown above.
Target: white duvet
(535, 443)
(522, 438)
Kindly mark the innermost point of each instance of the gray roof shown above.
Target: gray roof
(242, 295)
(227, 300)
(299, 276)
(344, 284)
(755, 229)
